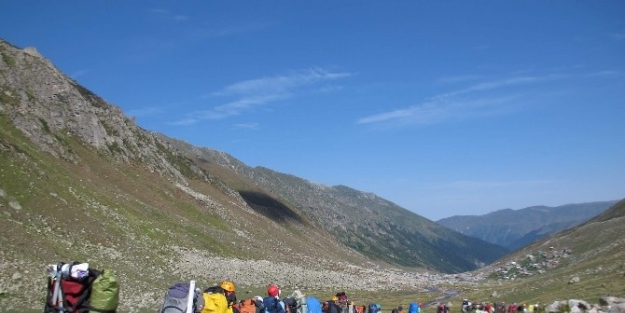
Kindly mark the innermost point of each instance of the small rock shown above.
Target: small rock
(16, 276)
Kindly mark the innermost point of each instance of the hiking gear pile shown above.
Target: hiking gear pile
(77, 288)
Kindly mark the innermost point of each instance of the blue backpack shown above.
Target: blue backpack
(272, 305)
(413, 308)
(314, 306)
(374, 308)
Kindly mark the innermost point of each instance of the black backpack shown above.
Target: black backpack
(290, 305)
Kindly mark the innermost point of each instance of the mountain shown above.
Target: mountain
(79, 180)
(516, 228)
(582, 262)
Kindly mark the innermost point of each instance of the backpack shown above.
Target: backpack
(374, 308)
(413, 307)
(214, 300)
(248, 306)
(290, 305)
(272, 305)
(313, 304)
(176, 299)
(76, 288)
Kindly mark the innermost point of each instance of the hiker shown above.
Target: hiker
(331, 306)
(502, 307)
(272, 302)
(374, 308)
(290, 304)
(442, 308)
(351, 307)
(231, 296)
(215, 300)
(342, 301)
(258, 303)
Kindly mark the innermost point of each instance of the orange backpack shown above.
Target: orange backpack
(248, 306)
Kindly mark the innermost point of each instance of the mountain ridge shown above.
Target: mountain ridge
(516, 228)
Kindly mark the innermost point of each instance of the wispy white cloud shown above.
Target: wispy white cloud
(282, 83)
(183, 122)
(251, 126)
(474, 101)
(253, 93)
(520, 80)
(205, 32)
(435, 112)
(461, 78)
(238, 106)
(603, 73)
(164, 13)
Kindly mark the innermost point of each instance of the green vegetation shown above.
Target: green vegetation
(7, 96)
(45, 126)
(180, 162)
(110, 131)
(30, 95)
(8, 59)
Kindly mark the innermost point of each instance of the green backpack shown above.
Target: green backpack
(105, 292)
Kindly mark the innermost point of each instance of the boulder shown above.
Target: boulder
(617, 308)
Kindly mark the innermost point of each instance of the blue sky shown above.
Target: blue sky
(443, 107)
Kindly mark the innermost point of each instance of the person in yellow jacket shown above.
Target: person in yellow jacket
(216, 299)
(231, 296)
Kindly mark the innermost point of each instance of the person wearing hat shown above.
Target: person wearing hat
(272, 301)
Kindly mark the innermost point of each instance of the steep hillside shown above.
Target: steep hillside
(583, 262)
(362, 221)
(81, 181)
(516, 228)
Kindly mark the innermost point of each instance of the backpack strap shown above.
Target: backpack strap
(165, 308)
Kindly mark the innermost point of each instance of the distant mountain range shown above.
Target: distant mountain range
(582, 262)
(513, 229)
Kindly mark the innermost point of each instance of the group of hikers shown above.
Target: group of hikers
(223, 299)
(77, 288)
(500, 307)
